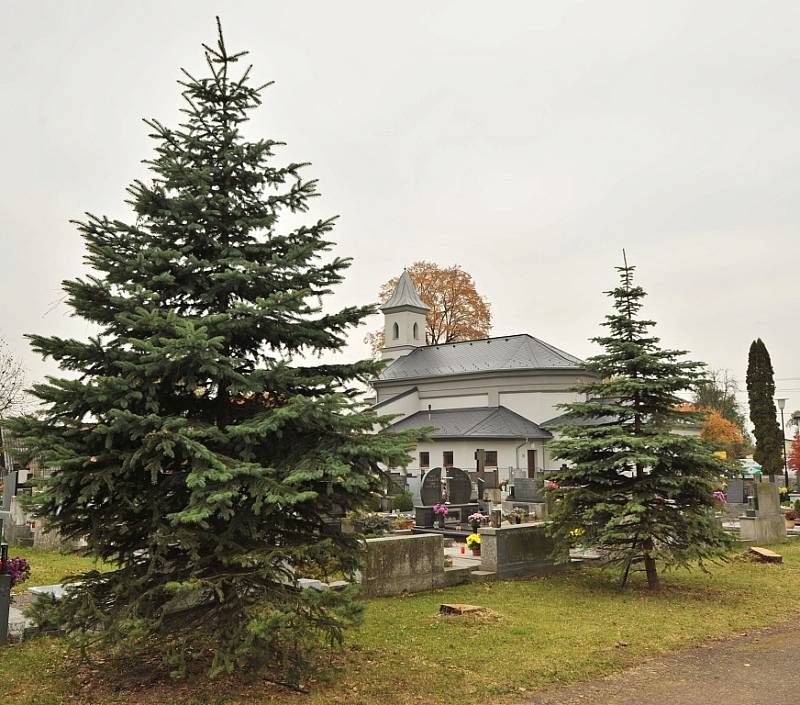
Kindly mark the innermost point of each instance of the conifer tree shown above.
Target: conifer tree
(760, 396)
(630, 486)
(201, 449)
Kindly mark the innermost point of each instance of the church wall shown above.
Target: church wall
(454, 402)
(406, 405)
(537, 406)
(532, 394)
(511, 453)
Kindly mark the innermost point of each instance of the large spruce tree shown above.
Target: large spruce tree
(201, 449)
(633, 487)
(760, 396)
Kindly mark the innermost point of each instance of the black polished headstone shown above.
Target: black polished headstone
(459, 486)
(430, 490)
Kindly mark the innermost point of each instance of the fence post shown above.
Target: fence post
(5, 593)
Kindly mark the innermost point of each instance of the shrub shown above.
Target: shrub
(404, 502)
(371, 524)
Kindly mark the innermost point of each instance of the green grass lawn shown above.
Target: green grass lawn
(49, 567)
(559, 629)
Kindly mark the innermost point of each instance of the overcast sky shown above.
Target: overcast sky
(528, 142)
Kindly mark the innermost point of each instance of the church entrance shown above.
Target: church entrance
(531, 464)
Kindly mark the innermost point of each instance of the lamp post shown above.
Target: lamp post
(782, 406)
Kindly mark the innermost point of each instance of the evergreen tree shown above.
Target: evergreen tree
(760, 394)
(201, 450)
(631, 486)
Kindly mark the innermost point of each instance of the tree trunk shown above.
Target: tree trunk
(650, 569)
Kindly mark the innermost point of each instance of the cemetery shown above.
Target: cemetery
(209, 493)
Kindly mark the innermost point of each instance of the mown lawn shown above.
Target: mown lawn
(559, 629)
(49, 567)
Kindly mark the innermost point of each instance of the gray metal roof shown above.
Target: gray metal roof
(513, 352)
(473, 422)
(404, 294)
(569, 420)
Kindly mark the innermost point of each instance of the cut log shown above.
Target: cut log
(765, 555)
(457, 608)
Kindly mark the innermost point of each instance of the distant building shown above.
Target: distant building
(497, 395)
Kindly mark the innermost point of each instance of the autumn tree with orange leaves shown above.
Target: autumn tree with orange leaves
(723, 433)
(794, 453)
(457, 310)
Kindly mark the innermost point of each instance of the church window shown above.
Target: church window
(396, 331)
(416, 331)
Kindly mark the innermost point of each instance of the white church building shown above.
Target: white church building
(497, 395)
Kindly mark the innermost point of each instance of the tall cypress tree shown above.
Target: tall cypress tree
(760, 394)
(201, 450)
(631, 486)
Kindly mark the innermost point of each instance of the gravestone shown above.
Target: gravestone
(430, 490)
(459, 486)
(736, 491)
(527, 490)
(764, 523)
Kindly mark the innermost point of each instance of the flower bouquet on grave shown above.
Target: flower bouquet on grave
(474, 544)
(19, 569)
(475, 520)
(440, 511)
(517, 515)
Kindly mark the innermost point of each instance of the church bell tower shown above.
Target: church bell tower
(404, 320)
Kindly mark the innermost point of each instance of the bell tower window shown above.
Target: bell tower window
(416, 331)
(395, 331)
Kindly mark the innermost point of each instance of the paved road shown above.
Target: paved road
(760, 668)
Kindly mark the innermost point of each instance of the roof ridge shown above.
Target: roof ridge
(494, 411)
(474, 340)
(559, 351)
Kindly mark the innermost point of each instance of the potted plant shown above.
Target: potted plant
(440, 511)
(517, 515)
(475, 520)
(790, 516)
(474, 544)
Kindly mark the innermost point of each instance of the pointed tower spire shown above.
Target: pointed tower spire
(405, 317)
(405, 294)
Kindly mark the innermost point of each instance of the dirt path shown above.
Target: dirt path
(759, 668)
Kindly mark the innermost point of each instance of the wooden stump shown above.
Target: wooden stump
(765, 555)
(457, 608)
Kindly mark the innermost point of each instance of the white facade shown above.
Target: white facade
(519, 373)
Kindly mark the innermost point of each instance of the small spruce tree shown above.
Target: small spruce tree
(632, 487)
(200, 449)
(760, 396)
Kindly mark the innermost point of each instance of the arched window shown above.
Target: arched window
(396, 331)
(416, 331)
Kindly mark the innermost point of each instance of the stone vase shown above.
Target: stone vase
(440, 521)
(476, 552)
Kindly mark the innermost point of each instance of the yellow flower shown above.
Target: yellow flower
(473, 540)
(575, 533)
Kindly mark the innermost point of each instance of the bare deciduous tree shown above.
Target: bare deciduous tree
(12, 380)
